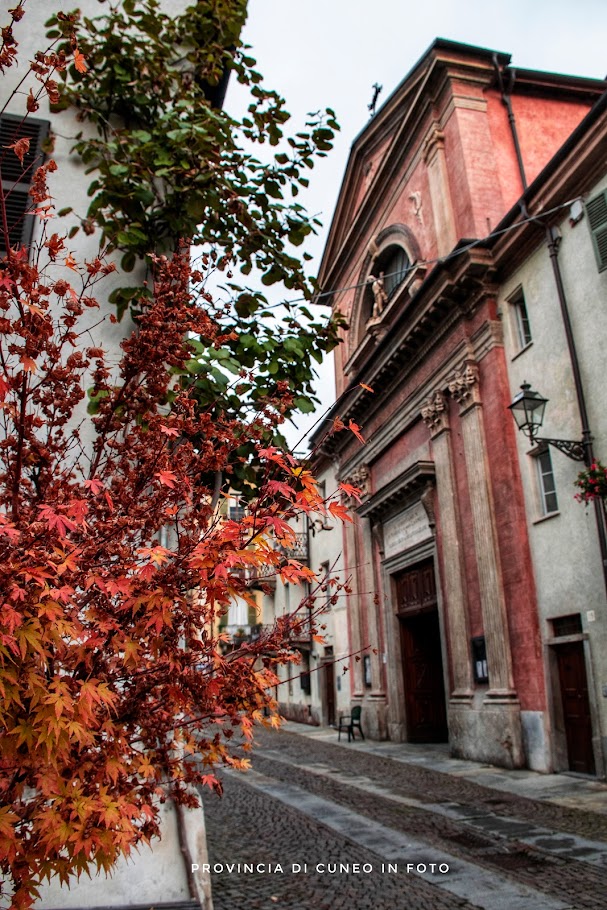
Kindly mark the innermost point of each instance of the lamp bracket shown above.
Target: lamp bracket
(569, 447)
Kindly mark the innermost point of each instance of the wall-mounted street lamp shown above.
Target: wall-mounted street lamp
(528, 409)
(318, 525)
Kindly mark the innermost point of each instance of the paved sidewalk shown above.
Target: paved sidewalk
(431, 833)
(570, 790)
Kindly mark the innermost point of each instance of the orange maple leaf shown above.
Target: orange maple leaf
(349, 490)
(21, 147)
(339, 511)
(356, 430)
(80, 61)
(29, 365)
(167, 478)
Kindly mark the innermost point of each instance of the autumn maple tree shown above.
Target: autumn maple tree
(116, 558)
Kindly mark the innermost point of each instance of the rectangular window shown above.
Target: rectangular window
(596, 209)
(325, 574)
(17, 176)
(305, 680)
(547, 487)
(521, 319)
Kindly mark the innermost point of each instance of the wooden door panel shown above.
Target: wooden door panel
(423, 678)
(329, 680)
(576, 706)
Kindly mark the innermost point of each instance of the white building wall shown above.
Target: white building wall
(564, 545)
(149, 875)
(69, 184)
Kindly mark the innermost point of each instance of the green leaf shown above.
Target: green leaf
(305, 405)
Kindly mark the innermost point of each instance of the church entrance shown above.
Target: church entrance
(417, 609)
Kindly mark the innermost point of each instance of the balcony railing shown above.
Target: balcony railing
(298, 549)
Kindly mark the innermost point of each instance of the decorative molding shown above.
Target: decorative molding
(395, 496)
(489, 336)
(427, 500)
(397, 234)
(417, 206)
(377, 532)
(476, 295)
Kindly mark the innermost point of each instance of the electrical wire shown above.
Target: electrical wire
(442, 259)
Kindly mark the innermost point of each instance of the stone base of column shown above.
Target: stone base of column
(374, 717)
(461, 697)
(490, 733)
(501, 696)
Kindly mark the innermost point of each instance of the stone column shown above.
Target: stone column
(375, 701)
(435, 415)
(370, 589)
(465, 389)
(354, 566)
(354, 626)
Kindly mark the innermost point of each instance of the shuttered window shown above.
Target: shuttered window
(596, 210)
(17, 177)
(547, 487)
(395, 268)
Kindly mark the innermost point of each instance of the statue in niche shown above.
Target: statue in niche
(380, 298)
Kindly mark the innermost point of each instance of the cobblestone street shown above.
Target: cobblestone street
(405, 835)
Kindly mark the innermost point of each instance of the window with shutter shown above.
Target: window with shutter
(521, 319)
(547, 486)
(596, 209)
(17, 176)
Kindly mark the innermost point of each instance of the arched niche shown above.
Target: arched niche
(393, 252)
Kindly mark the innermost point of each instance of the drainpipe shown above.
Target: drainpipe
(507, 102)
(552, 242)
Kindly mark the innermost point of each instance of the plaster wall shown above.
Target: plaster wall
(69, 184)
(156, 875)
(564, 545)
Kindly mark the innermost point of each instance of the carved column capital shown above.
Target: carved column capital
(464, 387)
(435, 141)
(435, 414)
(360, 478)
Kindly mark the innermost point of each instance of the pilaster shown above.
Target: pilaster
(435, 414)
(440, 194)
(465, 390)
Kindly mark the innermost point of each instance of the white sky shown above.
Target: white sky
(328, 53)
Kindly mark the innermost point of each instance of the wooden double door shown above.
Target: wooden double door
(421, 652)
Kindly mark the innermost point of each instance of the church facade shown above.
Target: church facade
(445, 596)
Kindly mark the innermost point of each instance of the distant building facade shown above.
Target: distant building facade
(316, 689)
(448, 596)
